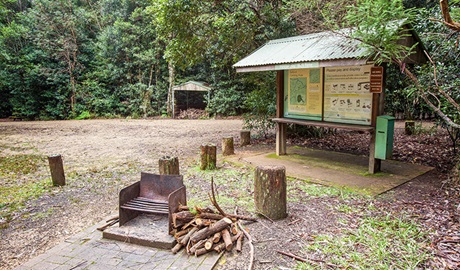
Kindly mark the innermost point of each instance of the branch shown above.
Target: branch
(305, 260)
(447, 18)
(251, 246)
(213, 199)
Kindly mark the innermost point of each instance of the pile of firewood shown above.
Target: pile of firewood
(192, 113)
(206, 231)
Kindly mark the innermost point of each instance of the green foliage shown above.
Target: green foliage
(260, 104)
(261, 109)
(61, 58)
(84, 115)
(226, 100)
(379, 38)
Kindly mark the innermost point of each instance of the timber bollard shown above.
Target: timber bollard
(208, 156)
(168, 165)
(270, 191)
(227, 146)
(57, 170)
(409, 127)
(245, 137)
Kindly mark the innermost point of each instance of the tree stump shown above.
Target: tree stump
(168, 165)
(270, 191)
(245, 138)
(57, 170)
(227, 146)
(409, 127)
(208, 156)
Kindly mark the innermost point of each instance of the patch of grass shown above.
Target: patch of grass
(378, 243)
(13, 197)
(20, 164)
(16, 187)
(320, 191)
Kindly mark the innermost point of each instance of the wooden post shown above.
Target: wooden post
(281, 128)
(168, 165)
(208, 156)
(57, 170)
(227, 146)
(270, 191)
(409, 127)
(245, 137)
(378, 106)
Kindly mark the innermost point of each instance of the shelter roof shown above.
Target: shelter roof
(316, 50)
(192, 86)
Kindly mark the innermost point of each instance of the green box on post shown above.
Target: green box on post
(384, 132)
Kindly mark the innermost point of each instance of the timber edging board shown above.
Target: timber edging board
(323, 124)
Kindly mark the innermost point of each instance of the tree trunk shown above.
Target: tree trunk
(227, 146)
(245, 138)
(168, 165)
(57, 170)
(270, 191)
(208, 157)
(172, 75)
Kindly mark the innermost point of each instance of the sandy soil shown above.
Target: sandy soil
(100, 157)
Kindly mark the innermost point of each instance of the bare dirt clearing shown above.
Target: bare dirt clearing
(103, 156)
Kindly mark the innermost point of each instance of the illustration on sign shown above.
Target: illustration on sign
(304, 95)
(346, 95)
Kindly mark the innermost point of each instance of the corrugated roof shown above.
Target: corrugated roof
(193, 86)
(316, 47)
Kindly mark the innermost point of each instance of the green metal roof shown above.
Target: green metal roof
(323, 49)
(305, 51)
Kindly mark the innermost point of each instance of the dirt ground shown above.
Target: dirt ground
(103, 156)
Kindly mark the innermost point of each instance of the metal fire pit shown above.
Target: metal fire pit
(153, 194)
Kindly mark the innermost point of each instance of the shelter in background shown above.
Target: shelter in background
(191, 95)
(327, 80)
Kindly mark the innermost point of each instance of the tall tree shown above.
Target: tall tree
(59, 32)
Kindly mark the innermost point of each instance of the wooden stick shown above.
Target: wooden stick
(198, 245)
(216, 237)
(251, 246)
(176, 248)
(181, 218)
(183, 208)
(221, 246)
(208, 231)
(227, 239)
(201, 251)
(208, 244)
(102, 228)
(111, 219)
(213, 199)
(305, 260)
(187, 237)
(239, 243)
(181, 233)
(210, 216)
(234, 229)
(188, 224)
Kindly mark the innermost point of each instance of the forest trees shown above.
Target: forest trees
(65, 58)
(68, 58)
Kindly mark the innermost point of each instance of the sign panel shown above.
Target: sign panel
(347, 97)
(376, 79)
(304, 94)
